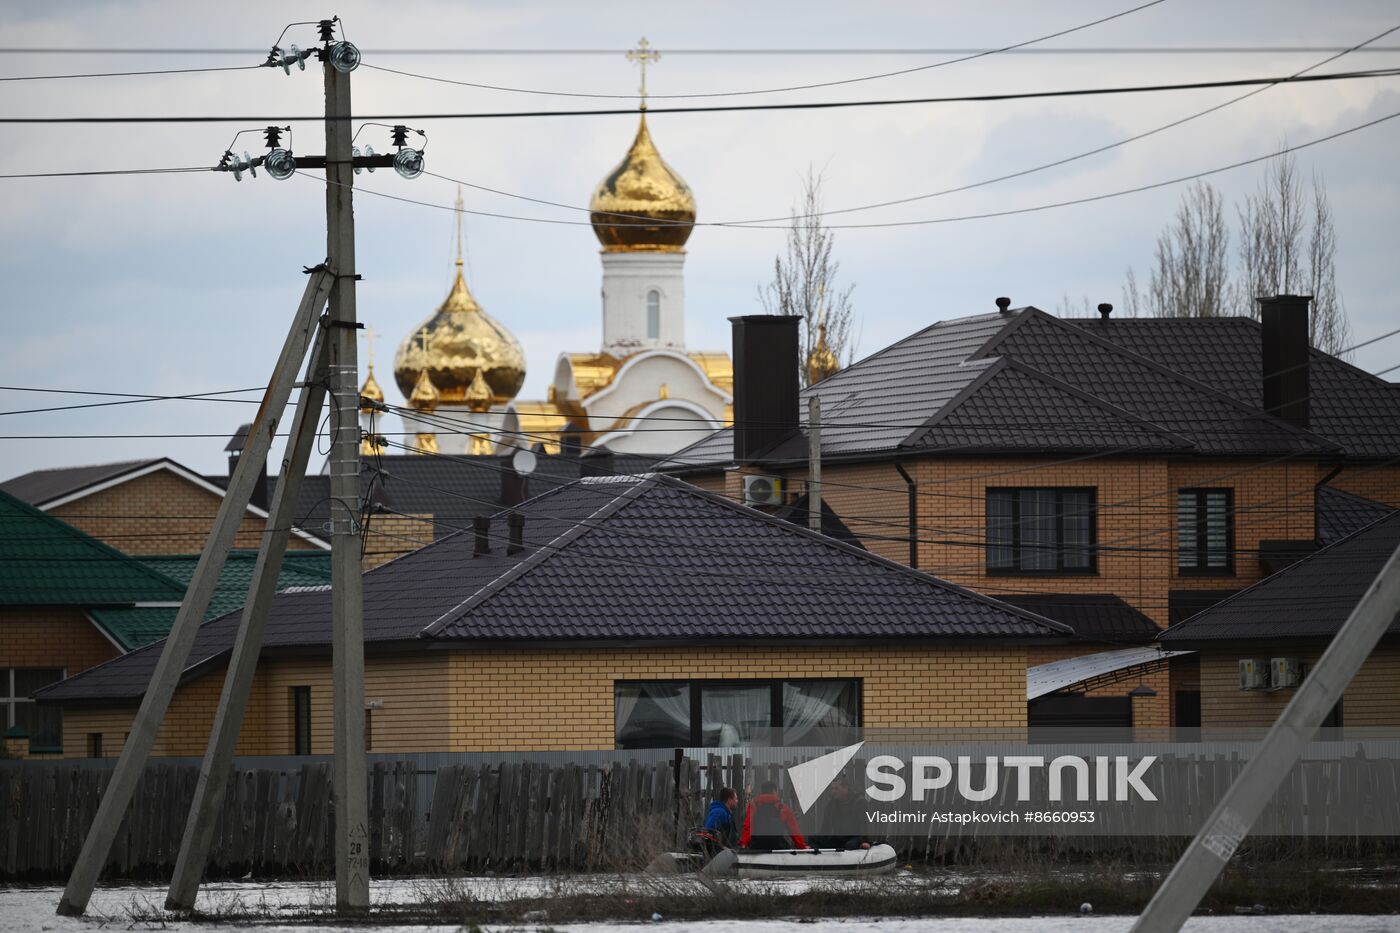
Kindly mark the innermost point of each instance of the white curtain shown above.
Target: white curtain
(815, 705)
(736, 715)
(657, 707)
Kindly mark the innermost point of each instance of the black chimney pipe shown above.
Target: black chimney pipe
(234, 448)
(481, 524)
(516, 522)
(1286, 357)
(515, 488)
(765, 382)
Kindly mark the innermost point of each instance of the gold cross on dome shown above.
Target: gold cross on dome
(370, 334)
(643, 55)
(422, 336)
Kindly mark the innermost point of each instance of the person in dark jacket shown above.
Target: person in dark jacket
(841, 818)
(719, 819)
(769, 823)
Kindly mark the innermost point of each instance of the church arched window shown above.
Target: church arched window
(653, 314)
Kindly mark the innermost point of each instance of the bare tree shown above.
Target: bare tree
(1287, 245)
(1191, 269)
(804, 279)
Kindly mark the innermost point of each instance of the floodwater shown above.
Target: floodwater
(136, 907)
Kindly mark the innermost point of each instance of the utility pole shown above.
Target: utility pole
(347, 622)
(814, 463)
(1227, 826)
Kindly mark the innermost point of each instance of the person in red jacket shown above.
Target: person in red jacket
(769, 823)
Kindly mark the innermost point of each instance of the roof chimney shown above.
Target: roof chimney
(234, 448)
(516, 522)
(1286, 356)
(482, 526)
(1004, 305)
(765, 382)
(1105, 310)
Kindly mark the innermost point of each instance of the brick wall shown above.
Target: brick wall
(59, 636)
(1370, 700)
(159, 513)
(413, 718)
(393, 536)
(1381, 484)
(540, 699)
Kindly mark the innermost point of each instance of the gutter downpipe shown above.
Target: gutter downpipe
(913, 515)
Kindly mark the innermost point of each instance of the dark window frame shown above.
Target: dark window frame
(1202, 566)
(696, 686)
(11, 700)
(1060, 570)
(301, 720)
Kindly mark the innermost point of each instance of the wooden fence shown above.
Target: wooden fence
(519, 815)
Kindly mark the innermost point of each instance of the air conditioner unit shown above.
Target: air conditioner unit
(1254, 674)
(763, 490)
(1285, 672)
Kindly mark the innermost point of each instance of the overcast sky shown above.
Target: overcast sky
(177, 284)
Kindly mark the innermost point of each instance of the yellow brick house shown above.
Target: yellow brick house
(609, 612)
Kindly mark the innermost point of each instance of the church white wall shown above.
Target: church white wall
(669, 414)
(640, 381)
(628, 278)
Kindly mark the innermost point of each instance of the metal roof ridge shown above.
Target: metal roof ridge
(539, 555)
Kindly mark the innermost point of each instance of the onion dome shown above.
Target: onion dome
(821, 362)
(425, 396)
(370, 391)
(659, 206)
(456, 345)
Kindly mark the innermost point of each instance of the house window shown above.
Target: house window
(94, 744)
(653, 314)
(729, 713)
(1041, 530)
(44, 723)
(301, 720)
(369, 729)
(1205, 531)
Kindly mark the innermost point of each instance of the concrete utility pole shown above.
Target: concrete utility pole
(1226, 828)
(814, 463)
(218, 757)
(347, 625)
(97, 844)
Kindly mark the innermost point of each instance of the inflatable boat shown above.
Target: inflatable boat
(787, 863)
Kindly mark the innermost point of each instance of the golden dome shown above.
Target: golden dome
(370, 390)
(645, 187)
(457, 346)
(821, 362)
(425, 396)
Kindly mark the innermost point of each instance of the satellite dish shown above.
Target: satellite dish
(524, 462)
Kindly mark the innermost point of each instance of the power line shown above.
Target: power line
(780, 90)
(978, 184)
(986, 215)
(729, 108)
(114, 171)
(765, 52)
(125, 74)
(135, 399)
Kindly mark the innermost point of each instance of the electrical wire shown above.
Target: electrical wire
(972, 185)
(765, 52)
(960, 218)
(112, 171)
(781, 90)
(136, 399)
(126, 74)
(728, 108)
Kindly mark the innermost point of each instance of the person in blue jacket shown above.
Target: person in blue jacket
(719, 819)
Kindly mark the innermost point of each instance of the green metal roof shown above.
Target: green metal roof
(137, 626)
(47, 562)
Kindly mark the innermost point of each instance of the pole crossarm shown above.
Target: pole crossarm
(238, 681)
(1281, 749)
(97, 844)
